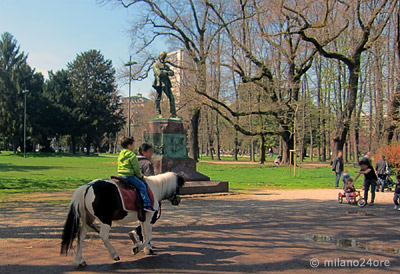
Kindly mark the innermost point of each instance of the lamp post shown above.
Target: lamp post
(25, 92)
(130, 64)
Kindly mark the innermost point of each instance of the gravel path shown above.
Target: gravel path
(260, 232)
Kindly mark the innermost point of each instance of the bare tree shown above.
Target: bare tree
(395, 100)
(322, 31)
(185, 23)
(252, 19)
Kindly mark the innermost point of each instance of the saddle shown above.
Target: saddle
(130, 196)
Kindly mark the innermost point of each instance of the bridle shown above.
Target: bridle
(176, 198)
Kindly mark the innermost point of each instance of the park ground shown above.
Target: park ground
(263, 226)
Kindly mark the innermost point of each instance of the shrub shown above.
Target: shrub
(392, 154)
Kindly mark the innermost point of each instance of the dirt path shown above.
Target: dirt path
(261, 232)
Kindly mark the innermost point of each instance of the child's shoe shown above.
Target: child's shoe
(149, 209)
(395, 207)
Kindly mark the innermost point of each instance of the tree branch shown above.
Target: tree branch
(240, 128)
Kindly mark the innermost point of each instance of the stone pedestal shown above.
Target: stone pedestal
(168, 137)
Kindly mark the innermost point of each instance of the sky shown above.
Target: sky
(53, 32)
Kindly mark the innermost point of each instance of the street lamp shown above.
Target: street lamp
(130, 64)
(25, 92)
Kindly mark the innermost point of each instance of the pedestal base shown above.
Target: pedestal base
(203, 187)
(168, 138)
(164, 164)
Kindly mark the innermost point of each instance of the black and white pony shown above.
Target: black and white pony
(96, 205)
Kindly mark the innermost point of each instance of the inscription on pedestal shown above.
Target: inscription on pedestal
(168, 138)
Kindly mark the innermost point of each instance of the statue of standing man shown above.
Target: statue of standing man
(162, 84)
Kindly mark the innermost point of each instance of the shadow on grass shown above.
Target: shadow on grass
(6, 167)
(28, 185)
(48, 155)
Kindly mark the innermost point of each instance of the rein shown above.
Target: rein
(159, 212)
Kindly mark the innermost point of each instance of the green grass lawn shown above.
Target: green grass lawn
(266, 176)
(51, 172)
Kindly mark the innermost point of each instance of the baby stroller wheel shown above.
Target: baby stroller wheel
(361, 202)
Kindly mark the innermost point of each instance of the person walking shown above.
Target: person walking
(337, 168)
(382, 170)
(144, 158)
(367, 158)
(370, 179)
(396, 197)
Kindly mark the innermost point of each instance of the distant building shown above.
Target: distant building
(182, 71)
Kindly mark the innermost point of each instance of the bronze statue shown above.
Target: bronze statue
(162, 84)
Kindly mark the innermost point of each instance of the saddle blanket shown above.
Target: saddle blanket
(128, 196)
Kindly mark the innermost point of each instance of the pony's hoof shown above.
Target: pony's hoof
(135, 250)
(83, 264)
(149, 252)
(117, 259)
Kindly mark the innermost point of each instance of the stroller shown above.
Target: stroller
(389, 183)
(278, 160)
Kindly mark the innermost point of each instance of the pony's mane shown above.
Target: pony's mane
(165, 182)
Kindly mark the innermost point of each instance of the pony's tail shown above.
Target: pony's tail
(75, 214)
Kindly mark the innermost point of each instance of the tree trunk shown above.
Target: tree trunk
(395, 100)
(311, 145)
(371, 98)
(287, 145)
(210, 142)
(73, 144)
(348, 148)
(115, 143)
(356, 143)
(217, 138)
(394, 113)
(194, 135)
(15, 144)
(252, 150)
(218, 89)
(88, 143)
(321, 115)
(235, 146)
(262, 149)
(378, 100)
(344, 125)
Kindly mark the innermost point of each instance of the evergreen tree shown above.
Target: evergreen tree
(62, 107)
(15, 76)
(94, 93)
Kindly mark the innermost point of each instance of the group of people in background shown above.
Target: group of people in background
(374, 179)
